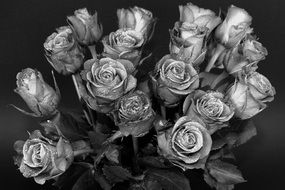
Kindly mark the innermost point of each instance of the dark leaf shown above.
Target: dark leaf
(116, 174)
(85, 181)
(225, 173)
(214, 184)
(69, 125)
(169, 180)
(67, 179)
(152, 161)
(97, 139)
(239, 133)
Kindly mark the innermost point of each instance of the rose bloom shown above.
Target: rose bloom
(42, 158)
(187, 144)
(250, 95)
(189, 34)
(63, 52)
(39, 96)
(137, 19)
(106, 81)
(234, 28)
(173, 79)
(125, 43)
(212, 107)
(133, 114)
(243, 57)
(86, 28)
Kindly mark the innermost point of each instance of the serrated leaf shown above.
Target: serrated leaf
(116, 174)
(69, 125)
(214, 184)
(225, 173)
(67, 179)
(234, 136)
(85, 181)
(152, 161)
(97, 139)
(169, 180)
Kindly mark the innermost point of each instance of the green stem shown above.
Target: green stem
(88, 113)
(135, 145)
(82, 151)
(163, 111)
(92, 50)
(219, 49)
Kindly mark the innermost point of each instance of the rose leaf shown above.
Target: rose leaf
(116, 174)
(168, 179)
(225, 173)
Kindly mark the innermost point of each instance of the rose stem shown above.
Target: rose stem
(219, 49)
(136, 149)
(83, 151)
(89, 117)
(163, 111)
(92, 49)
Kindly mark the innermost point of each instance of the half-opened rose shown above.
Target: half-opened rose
(188, 36)
(187, 144)
(125, 43)
(138, 19)
(212, 107)
(41, 98)
(106, 81)
(234, 28)
(63, 52)
(173, 79)
(42, 158)
(243, 57)
(250, 95)
(85, 27)
(133, 114)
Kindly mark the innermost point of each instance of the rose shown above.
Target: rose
(42, 158)
(187, 144)
(173, 79)
(234, 28)
(85, 27)
(106, 81)
(63, 52)
(212, 107)
(137, 19)
(124, 44)
(250, 95)
(244, 57)
(39, 96)
(189, 34)
(133, 114)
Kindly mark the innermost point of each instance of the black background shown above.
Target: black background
(24, 26)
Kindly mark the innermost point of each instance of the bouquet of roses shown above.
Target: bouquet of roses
(145, 128)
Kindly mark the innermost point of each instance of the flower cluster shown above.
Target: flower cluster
(186, 113)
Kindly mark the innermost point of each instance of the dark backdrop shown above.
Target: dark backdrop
(25, 24)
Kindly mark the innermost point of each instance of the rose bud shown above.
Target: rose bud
(173, 79)
(137, 19)
(243, 57)
(234, 28)
(187, 144)
(106, 81)
(230, 33)
(211, 107)
(133, 114)
(124, 44)
(42, 158)
(250, 95)
(63, 52)
(39, 96)
(194, 25)
(85, 27)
